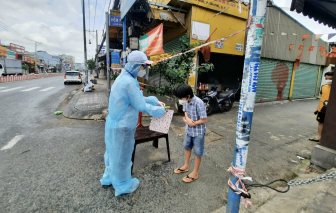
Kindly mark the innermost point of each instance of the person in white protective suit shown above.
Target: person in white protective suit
(126, 100)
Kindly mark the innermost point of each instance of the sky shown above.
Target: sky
(58, 24)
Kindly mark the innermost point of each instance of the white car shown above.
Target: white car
(72, 76)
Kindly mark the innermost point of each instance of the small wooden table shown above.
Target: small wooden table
(143, 135)
(200, 91)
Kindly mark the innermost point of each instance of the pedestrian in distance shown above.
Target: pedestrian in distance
(322, 107)
(195, 119)
(125, 102)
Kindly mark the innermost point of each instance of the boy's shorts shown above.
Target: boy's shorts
(195, 142)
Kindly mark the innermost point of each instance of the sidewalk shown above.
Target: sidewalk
(89, 105)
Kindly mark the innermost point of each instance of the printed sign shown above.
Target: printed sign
(152, 42)
(3, 52)
(115, 59)
(10, 54)
(219, 44)
(115, 21)
(102, 51)
(239, 47)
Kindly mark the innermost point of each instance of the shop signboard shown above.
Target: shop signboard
(17, 48)
(11, 54)
(115, 21)
(3, 52)
(115, 56)
(102, 51)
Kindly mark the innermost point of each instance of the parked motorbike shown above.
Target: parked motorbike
(220, 102)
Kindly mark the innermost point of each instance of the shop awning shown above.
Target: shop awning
(323, 11)
(167, 15)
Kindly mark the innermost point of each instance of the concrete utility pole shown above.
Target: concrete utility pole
(36, 57)
(97, 54)
(247, 97)
(108, 50)
(84, 34)
(124, 41)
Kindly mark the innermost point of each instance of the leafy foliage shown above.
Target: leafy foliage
(176, 71)
(25, 67)
(91, 64)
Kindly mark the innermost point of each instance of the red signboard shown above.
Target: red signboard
(17, 48)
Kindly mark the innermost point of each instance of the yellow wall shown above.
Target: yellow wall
(220, 5)
(225, 25)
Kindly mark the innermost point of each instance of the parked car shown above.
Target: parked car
(72, 77)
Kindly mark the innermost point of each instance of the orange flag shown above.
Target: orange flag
(311, 48)
(327, 54)
(322, 49)
(291, 46)
(323, 53)
(301, 47)
(334, 50)
(304, 37)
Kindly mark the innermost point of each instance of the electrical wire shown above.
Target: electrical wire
(89, 13)
(94, 20)
(9, 29)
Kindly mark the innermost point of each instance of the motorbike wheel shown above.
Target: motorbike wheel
(208, 107)
(227, 105)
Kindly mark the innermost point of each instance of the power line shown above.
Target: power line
(89, 13)
(94, 22)
(9, 29)
(102, 14)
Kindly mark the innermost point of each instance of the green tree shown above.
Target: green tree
(25, 67)
(91, 64)
(176, 70)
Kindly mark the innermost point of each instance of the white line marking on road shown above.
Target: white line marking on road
(12, 142)
(30, 89)
(49, 88)
(6, 90)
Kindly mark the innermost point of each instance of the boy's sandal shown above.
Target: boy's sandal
(314, 139)
(188, 179)
(179, 171)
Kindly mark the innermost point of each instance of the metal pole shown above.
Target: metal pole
(84, 35)
(124, 40)
(35, 58)
(97, 54)
(248, 93)
(108, 50)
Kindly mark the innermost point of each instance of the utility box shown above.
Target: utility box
(134, 43)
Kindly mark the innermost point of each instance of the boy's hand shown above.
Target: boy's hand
(189, 121)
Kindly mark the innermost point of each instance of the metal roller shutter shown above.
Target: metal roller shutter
(273, 80)
(305, 81)
(168, 47)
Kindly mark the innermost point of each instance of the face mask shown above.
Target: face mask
(328, 81)
(142, 73)
(182, 102)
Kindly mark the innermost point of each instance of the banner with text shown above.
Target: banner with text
(152, 42)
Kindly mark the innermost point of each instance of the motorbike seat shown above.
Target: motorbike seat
(225, 93)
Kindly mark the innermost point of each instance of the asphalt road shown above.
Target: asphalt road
(54, 164)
